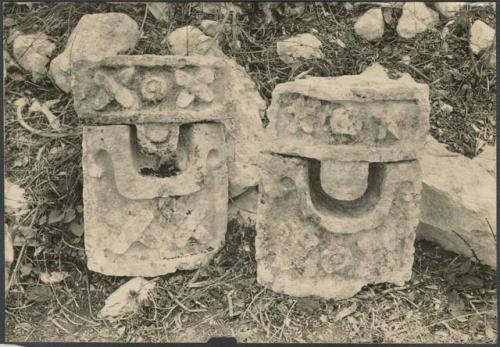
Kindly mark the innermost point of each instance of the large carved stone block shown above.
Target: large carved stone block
(339, 196)
(154, 163)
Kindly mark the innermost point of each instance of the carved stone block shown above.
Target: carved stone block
(154, 163)
(339, 196)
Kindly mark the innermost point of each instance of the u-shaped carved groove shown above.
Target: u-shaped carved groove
(117, 144)
(349, 208)
(349, 216)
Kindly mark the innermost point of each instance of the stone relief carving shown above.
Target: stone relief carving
(340, 186)
(154, 163)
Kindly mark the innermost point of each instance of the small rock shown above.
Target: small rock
(481, 36)
(303, 46)
(458, 207)
(53, 277)
(160, 10)
(446, 108)
(190, 40)
(212, 27)
(32, 52)
(416, 18)
(96, 36)
(448, 9)
(406, 59)
(370, 26)
(244, 207)
(127, 299)
(387, 13)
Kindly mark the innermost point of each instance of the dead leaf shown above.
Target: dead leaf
(467, 281)
(76, 228)
(39, 294)
(127, 299)
(345, 312)
(489, 332)
(25, 270)
(56, 216)
(45, 110)
(53, 277)
(455, 303)
(69, 215)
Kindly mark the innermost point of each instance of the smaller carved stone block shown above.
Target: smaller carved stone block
(340, 189)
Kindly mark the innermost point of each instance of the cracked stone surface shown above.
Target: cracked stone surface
(95, 36)
(458, 203)
(245, 131)
(322, 230)
(370, 25)
(416, 19)
(303, 46)
(155, 173)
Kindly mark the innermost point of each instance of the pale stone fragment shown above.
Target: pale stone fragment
(95, 36)
(190, 40)
(481, 36)
(458, 209)
(303, 46)
(370, 25)
(127, 299)
(449, 9)
(416, 19)
(213, 28)
(32, 52)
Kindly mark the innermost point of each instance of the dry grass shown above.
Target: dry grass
(448, 300)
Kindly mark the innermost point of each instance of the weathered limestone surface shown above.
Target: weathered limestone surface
(370, 25)
(95, 36)
(416, 18)
(190, 40)
(458, 209)
(314, 235)
(245, 131)
(303, 46)
(482, 36)
(449, 9)
(358, 123)
(32, 52)
(155, 173)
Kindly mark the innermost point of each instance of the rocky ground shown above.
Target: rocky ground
(53, 297)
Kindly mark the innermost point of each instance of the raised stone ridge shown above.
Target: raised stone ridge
(314, 118)
(151, 89)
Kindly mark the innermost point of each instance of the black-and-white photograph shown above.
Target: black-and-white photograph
(278, 172)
